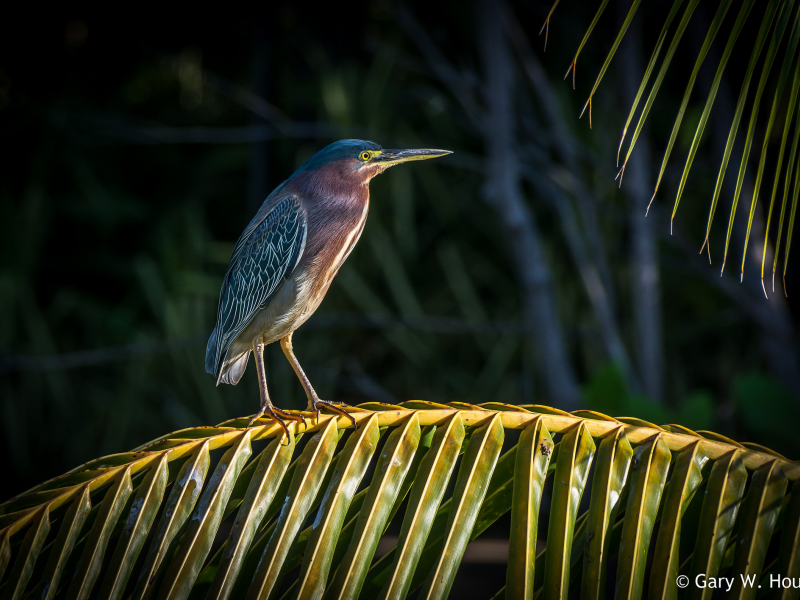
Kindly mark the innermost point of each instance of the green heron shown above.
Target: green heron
(284, 262)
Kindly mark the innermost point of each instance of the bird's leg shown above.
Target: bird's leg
(266, 404)
(314, 401)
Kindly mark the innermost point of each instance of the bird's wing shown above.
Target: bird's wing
(275, 198)
(265, 255)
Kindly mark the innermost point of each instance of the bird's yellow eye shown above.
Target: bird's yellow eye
(365, 156)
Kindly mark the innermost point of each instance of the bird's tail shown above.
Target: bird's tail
(224, 370)
(233, 370)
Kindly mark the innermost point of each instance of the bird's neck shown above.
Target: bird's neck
(336, 202)
(336, 185)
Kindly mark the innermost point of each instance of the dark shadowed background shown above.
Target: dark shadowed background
(136, 145)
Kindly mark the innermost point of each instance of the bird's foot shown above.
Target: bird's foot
(314, 405)
(290, 416)
(276, 414)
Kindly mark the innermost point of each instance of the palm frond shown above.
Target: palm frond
(620, 35)
(272, 505)
(791, 220)
(662, 72)
(788, 177)
(648, 72)
(776, 17)
(722, 10)
(744, 12)
(573, 66)
(725, 489)
(777, 35)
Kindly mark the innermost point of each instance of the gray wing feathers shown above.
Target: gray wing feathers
(264, 256)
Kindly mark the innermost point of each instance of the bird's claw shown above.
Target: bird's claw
(334, 406)
(276, 414)
(255, 418)
(291, 417)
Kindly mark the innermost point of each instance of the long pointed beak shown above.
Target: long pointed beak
(395, 157)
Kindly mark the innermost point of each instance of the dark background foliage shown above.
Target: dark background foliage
(137, 145)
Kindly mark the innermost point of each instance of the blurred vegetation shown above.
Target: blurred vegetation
(137, 150)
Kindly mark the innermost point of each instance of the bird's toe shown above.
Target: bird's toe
(335, 407)
(255, 418)
(291, 416)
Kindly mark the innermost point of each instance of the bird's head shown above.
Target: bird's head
(358, 161)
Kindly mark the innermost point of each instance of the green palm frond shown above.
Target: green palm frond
(778, 17)
(228, 512)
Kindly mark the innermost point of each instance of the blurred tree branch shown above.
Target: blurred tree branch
(645, 270)
(131, 130)
(424, 324)
(583, 236)
(503, 192)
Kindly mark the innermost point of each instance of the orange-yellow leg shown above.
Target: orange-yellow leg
(314, 401)
(266, 404)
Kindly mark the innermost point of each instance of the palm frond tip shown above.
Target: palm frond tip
(776, 18)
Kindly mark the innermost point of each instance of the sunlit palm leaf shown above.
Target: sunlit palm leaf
(784, 76)
(140, 519)
(268, 474)
(325, 531)
(777, 15)
(648, 72)
(200, 532)
(759, 516)
(650, 465)
(611, 473)
(620, 35)
(788, 178)
(757, 47)
(28, 553)
(789, 559)
(777, 35)
(790, 229)
(306, 482)
(426, 495)
(722, 10)
(744, 12)
(662, 72)
(80, 534)
(386, 487)
(99, 536)
(61, 549)
(572, 471)
(546, 25)
(718, 515)
(530, 470)
(180, 504)
(573, 66)
(687, 477)
(471, 486)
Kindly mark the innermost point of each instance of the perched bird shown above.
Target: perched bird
(287, 257)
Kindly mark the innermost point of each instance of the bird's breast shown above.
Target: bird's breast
(332, 243)
(333, 229)
(328, 245)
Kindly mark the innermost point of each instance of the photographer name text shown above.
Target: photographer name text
(747, 581)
